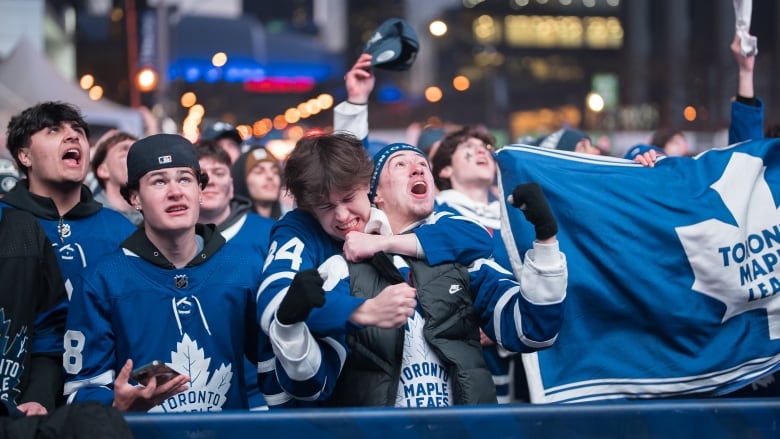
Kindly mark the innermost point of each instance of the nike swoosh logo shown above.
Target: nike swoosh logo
(455, 288)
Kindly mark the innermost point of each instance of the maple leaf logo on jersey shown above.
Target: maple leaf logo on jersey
(738, 265)
(12, 363)
(207, 392)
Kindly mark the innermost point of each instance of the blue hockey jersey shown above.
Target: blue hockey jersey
(298, 243)
(519, 320)
(200, 318)
(81, 236)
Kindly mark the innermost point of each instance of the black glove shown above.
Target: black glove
(529, 198)
(305, 293)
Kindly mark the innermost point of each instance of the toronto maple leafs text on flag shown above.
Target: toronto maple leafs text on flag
(673, 270)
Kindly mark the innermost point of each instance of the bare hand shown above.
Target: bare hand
(746, 63)
(484, 340)
(130, 398)
(389, 309)
(32, 408)
(360, 80)
(359, 246)
(647, 159)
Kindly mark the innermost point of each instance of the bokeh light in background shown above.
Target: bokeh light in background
(689, 113)
(437, 28)
(461, 83)
(146, 79)
(325, 100)
(188, 99)
(279, 122)
(245, 131)
(87, 81)
(595, 102)
(433, 94)
(219, 59)
(262, 127)
(280, 148)
(96, 92)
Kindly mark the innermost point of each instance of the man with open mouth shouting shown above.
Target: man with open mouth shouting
(49, 142)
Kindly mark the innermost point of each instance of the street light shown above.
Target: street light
(87, 81)
(433, 94)
(595, 102)
(437, 28)
(146, 79)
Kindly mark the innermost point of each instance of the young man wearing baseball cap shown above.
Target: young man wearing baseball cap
(174, 292)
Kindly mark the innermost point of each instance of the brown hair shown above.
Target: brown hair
(447, 147)
(210, 149)
(323, 164)
(101, 152)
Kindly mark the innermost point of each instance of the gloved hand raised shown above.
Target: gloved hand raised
(529, 198)
(304, 294)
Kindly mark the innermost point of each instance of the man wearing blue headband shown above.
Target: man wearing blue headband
(329, 176)
(451, 303)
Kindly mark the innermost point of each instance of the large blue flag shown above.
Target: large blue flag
(673, 270)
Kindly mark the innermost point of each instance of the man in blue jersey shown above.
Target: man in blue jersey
(329, 177)
(173, 293)
(49, 143)
(521, 321)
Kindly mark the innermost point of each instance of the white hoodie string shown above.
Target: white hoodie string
(175, 304)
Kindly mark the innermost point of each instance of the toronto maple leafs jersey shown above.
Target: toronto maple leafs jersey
(200, 318)
(33, 305)
(298, 243)
(81, 236)
(519, 320)
(487, 215)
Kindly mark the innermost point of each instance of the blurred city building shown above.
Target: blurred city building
(521, 67)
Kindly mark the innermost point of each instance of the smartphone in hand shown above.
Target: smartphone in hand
(156, 368)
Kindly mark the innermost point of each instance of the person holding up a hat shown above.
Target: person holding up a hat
(174, 292)
(392, 46)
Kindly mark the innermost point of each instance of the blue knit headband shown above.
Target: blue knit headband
(382, 156)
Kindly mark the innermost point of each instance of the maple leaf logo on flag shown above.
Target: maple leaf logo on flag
(738, 265)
